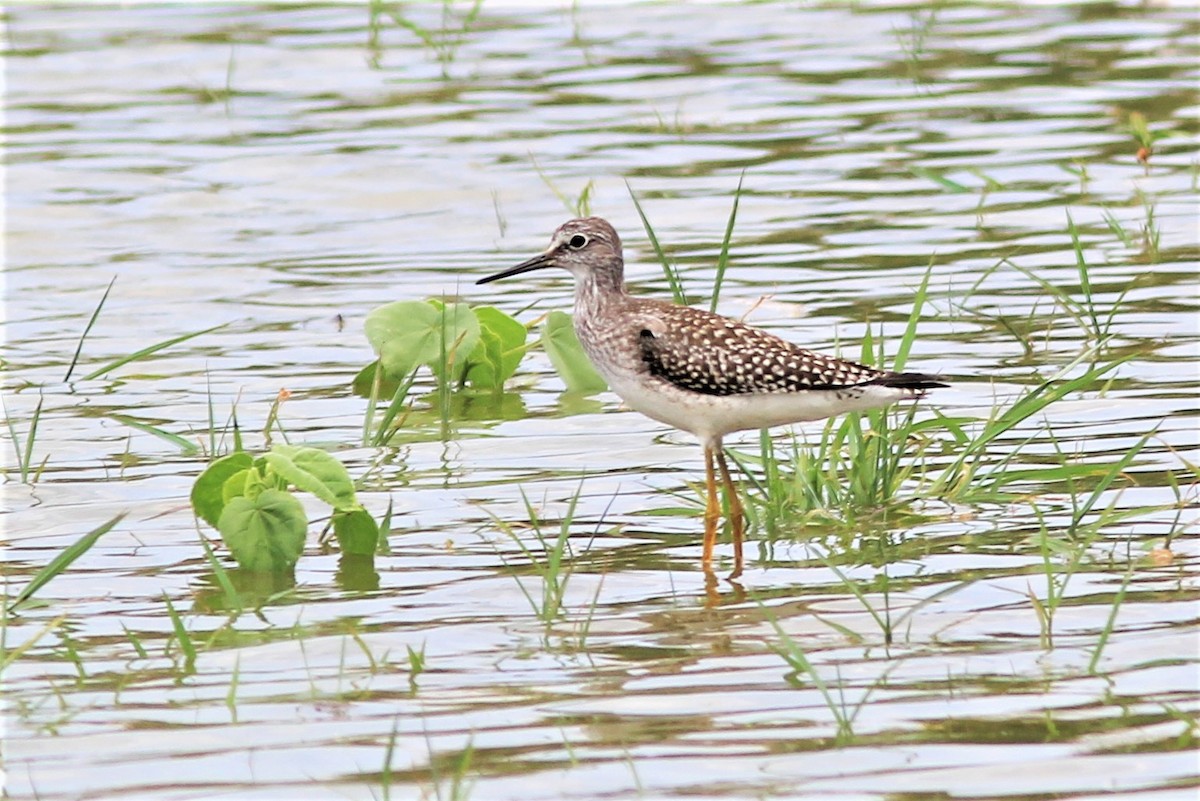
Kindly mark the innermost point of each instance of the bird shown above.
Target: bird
(699, 371)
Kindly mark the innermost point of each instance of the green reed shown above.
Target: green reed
(444, 41)
(87, 330)
(24, 452)
(182, 637)
(63, 560)
(674, 280)
(843, 711)
(1109, 624)
(554, 567)
(1064, 549)
(671, 270)
(452, 784)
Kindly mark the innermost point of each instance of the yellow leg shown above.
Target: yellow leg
(737, 514)
(712, 511)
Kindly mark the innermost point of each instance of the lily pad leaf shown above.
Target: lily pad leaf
(567, 356)
(265, 534)
(313, 470)
(207, 493)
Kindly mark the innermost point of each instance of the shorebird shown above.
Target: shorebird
(701, 372)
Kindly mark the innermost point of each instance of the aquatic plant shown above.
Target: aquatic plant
(249, 501)
(466, 349)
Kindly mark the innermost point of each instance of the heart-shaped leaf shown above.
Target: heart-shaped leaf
(265, 534)
(401, 334)
(409, 333)
(313, 470)
(207, 497)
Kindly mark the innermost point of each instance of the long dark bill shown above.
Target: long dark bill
(536, 263)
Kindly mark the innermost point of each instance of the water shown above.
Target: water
(282, 171)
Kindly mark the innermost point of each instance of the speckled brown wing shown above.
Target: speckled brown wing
(710, 354)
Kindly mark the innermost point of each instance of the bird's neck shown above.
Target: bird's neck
(597, 289)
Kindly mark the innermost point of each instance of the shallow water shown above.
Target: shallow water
(283, 171)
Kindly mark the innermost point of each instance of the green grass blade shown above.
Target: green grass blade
(87, 329)
(186, 446)
(64, 560)
(148, 351)
(372, 402)
(212, 420)
(27, 459)
(1109, 477)
(16, 441)
(384, 431)
(136, 642)
(1031, 403)
(25, 454)
(385, 530)
(910, 330)
(237, 432)
(1106, 632)
(181, 633)
(852, 587)
(795, 657)
(1042, 396)
(1071, 306)
(233, 599)
(723, 259)
(1117, 229)
(671, 273)
(1085, 282)
(939, 179)
(7, 657)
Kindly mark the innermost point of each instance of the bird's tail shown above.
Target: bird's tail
(918, 382)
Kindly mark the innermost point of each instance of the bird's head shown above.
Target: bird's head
(582, 247)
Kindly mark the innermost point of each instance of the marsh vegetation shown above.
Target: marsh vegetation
(273, 460)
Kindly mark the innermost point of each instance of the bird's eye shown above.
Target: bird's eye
(577, 242)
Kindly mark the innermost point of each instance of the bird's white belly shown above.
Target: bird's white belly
(712, 416)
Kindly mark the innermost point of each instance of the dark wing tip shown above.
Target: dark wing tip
(909, 381)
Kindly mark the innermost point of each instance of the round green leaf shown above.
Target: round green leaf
(410, 333)
(364, 382)
(313, 470)
(207, 497)
(401, 334)
(265, 534)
